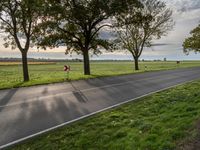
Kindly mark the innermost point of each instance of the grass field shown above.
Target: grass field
(42, 73)
(163, 121)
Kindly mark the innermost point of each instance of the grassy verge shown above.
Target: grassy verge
(11, 74)
(161, 121)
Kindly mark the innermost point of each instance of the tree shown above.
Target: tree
(137, 27)
(193, 43)
(18, 20)
(77, 24)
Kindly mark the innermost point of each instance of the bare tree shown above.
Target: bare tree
(137, 27)
(18, 20)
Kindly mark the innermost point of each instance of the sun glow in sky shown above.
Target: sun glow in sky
(186, 17)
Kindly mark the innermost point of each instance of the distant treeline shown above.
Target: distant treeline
(38, 60)
(54, 60)
(70, 60)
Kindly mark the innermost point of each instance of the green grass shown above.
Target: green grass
(158, 122)
(11, 75)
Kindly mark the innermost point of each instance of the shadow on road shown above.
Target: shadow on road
(78, 94)
(5, 100)
(31, 117)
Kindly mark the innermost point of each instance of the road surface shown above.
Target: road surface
(26, 112)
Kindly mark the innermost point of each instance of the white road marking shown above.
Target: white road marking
(88, 115)
(42, 98)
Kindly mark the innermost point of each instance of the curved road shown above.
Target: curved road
(26, 112)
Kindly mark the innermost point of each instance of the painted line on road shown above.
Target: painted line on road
(88, 115)
(77, 91)
(85, 90)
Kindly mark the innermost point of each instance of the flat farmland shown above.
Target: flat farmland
(51, 72)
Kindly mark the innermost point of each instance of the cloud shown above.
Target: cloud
(185, 14)
(183, 5)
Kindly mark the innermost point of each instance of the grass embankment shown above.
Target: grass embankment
(162, 121)
(11, 74)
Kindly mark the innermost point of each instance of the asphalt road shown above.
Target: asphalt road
(33, 110)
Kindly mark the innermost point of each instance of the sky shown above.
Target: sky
(186, 17)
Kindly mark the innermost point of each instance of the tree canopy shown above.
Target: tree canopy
(77, 24)
(138, 26)
(192, 43)
(18, 19)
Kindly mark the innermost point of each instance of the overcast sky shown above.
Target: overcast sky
(185, 14)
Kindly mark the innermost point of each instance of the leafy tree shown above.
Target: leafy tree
(77, 24)
(193, 43)
(137, 27)
(18, 20)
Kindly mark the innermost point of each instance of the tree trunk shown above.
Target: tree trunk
(86, 62)
(25, 66)
(136, 63)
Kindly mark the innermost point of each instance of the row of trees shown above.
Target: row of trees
(77, 25)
